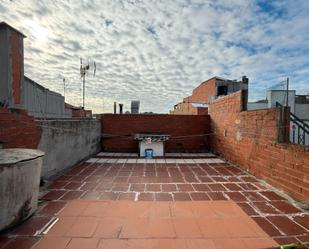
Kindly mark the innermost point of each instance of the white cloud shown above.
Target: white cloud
(158, 51)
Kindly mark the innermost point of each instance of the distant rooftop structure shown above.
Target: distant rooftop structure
(206, 92)
(135, 106)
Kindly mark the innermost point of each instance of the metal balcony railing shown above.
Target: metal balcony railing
(300, 130)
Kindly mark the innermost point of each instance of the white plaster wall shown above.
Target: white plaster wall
(158, 148)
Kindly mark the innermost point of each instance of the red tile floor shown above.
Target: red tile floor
(197, 184)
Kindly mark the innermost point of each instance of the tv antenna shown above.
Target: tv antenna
(83, 72)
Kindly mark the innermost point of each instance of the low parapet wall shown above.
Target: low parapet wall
(187, 131)
(250, 140)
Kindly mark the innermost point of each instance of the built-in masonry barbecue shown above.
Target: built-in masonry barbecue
(151, 144)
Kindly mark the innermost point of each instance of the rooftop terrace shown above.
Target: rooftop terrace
(116, 200)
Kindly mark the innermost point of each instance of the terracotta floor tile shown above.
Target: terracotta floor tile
(30, 226)
(181, 197)
(139, 244)
(135, 228)
(200, 244)
(58, 184)
(302, 220)
(286, 225)
(113, 244)
(285, 207)
(185, 187)
(139, 209)
(199, 196)
(137, 187)
(216, 187)
(186, 228)
(181, 210)
(127, 196)
(219, 179)
(216, 196)
(229, 244)
(163, 197)
(204, 211)
(269, 228)
(201, 187)
(52, 242)
(89, 186)
(247, 208)
(104, 186)
(161, 228)
(286, 240)
(118, 209)
(71, 195)
(232, 186)
(62, 226)
(236, 196)
(153, 187)
(120, 187)
(213, 228)
(53, 195)
(256, 243)
(247, 186)
(121, 179)
(83, 227)
(205, 179)
(52, 208)
(109, 196)
(264, 207)
(77, 243)
(169, 187)
(164, 244)
(240, 227)
(146, 197)
(95, 209)
(109, 227)
(158, 210)
(73, 185)
(253, 196)
(20, 243)
(91, 195)
(270, 195)
(74, 208)
(303, 238)
(249, 179)
(225, 209)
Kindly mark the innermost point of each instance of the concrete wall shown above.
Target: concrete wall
(274, 96)
(302, 111)
(66, 142)
(43, 103)
(11, 66)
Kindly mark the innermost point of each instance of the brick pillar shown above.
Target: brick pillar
(11, 66)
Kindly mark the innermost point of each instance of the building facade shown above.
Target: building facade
(207, 91)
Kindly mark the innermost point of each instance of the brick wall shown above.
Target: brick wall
(18, 129)
(17, 64)
(203, 91)
(175, 125)
(249, 139)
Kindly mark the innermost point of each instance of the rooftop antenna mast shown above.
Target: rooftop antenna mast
(83, 72)
(64, 88)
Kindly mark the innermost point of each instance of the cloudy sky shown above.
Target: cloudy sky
(157, 51)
